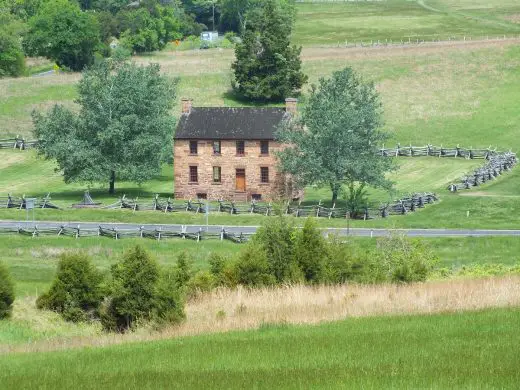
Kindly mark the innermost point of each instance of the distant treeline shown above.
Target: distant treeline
(73, 33)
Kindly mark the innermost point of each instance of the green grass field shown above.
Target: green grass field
(396, 20)
(462, 350)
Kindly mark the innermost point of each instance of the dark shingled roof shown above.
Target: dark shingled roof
(230, 123)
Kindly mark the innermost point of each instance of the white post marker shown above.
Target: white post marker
(207, 215)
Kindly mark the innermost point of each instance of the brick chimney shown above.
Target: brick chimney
(186, 105)
(291, 105)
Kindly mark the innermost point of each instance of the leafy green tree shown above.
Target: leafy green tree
(6, 293)
(123, 128)
(267, 67)
(149, 28)
(335, 140)
(76, 291)
(12, 59)
(132, 291)
(62, 32)
(22, 9)
(310, 251)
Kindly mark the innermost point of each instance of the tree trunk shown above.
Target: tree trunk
(334, 196)
(112, 183)
(335, 187)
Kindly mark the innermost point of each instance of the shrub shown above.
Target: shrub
(252, 267)
(223, 271)
(169, 304)
(202, 281)
(276, 237)
(357, 199)
(342, 263)
(132, 292)
(310, 251)
(402, 259)
(183, 270)
(76, 291)
(6, 293)
(140, 292)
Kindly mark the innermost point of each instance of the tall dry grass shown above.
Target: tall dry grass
(240, 309)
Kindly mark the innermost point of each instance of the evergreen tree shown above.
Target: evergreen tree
(267, 67)
(310, 250)
(76, 291)
(6, 293)
(132, 290)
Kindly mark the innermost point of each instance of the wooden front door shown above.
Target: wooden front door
(240, 180)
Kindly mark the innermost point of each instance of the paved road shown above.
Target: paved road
(251, 229)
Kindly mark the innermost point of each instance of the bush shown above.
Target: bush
(132, 292)
(252, 267)
(217, 265)
(342, 263)
(140, 292)
(183, 270)
(401, 259)
(76, 291)
(169, 304)
(310, 251)
(277, 237)
(6, 293)
(202, 281)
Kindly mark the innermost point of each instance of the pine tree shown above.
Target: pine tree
(267, 67)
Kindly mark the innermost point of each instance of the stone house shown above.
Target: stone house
(229, 153)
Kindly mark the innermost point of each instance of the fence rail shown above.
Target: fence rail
(496, 162)
(17, 143)
(117, 234)
(318, 210)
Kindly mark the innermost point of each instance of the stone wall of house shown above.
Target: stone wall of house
(251, 161)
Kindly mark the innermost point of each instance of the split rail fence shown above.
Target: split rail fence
(496, 162)
(117, 234)
(398, 207)
(17, 143)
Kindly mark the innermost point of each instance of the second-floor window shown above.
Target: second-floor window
(216, 147)
(194, 174)
(217, 174)
(264, 147)
(240, 148)
(264, 174)
(194, 147)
